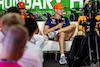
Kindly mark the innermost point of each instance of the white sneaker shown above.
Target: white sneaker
(52, 34)
(63, 60)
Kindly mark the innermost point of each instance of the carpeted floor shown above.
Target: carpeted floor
(49, 60)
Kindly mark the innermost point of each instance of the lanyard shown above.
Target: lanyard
(58, 21)
(6, 60)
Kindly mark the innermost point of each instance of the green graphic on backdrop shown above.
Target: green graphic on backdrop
(38, 6)
(41, 6)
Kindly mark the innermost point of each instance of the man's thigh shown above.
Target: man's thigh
(68, 35)
(81, 33)
(56, 38)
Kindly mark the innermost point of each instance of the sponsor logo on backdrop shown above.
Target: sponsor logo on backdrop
(58, 1)
(40, 6)
(31, 4)
(72, 3)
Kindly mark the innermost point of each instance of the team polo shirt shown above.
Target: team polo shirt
(52, 21)
(84, 18)
(27, 15)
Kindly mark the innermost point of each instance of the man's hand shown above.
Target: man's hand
(59, 25)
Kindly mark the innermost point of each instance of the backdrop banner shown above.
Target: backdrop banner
(42, 6)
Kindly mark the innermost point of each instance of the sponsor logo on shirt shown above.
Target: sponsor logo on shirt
(53, 21)
(63, 20)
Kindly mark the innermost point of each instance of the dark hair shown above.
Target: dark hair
(14, 9)
(31, 25)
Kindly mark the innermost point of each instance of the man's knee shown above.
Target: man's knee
(61, 34)
(73, 26)
(80, 33)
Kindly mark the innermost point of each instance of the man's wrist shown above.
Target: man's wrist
(54, 28)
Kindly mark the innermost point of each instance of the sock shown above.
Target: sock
(56, 32)
(52, 34)
(62, 55)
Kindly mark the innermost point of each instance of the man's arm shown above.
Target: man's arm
(80, 28)
(67, 28)
(48, 30)
(81, 31)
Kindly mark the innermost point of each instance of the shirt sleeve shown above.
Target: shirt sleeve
(48, 22)
(31, 16)
(79, 20)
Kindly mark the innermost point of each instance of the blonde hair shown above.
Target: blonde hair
(9, 20)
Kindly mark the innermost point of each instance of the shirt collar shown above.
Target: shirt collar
(56, 18)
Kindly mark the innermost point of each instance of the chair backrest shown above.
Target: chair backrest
(41, 26)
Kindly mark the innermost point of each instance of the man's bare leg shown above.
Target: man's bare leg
(68, 35)
(68, 28)
(80, 33)
(56, 38)
(60, 38)
(61, 45)
(61, 42)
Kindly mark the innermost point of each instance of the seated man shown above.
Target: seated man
(59, 26)
(12, 49)
(81, 29)
(82, 19)
(22, 8)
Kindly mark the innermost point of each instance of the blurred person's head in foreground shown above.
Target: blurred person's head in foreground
(13, 10)
(31, 25)
(9, 20)
(14, 42)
